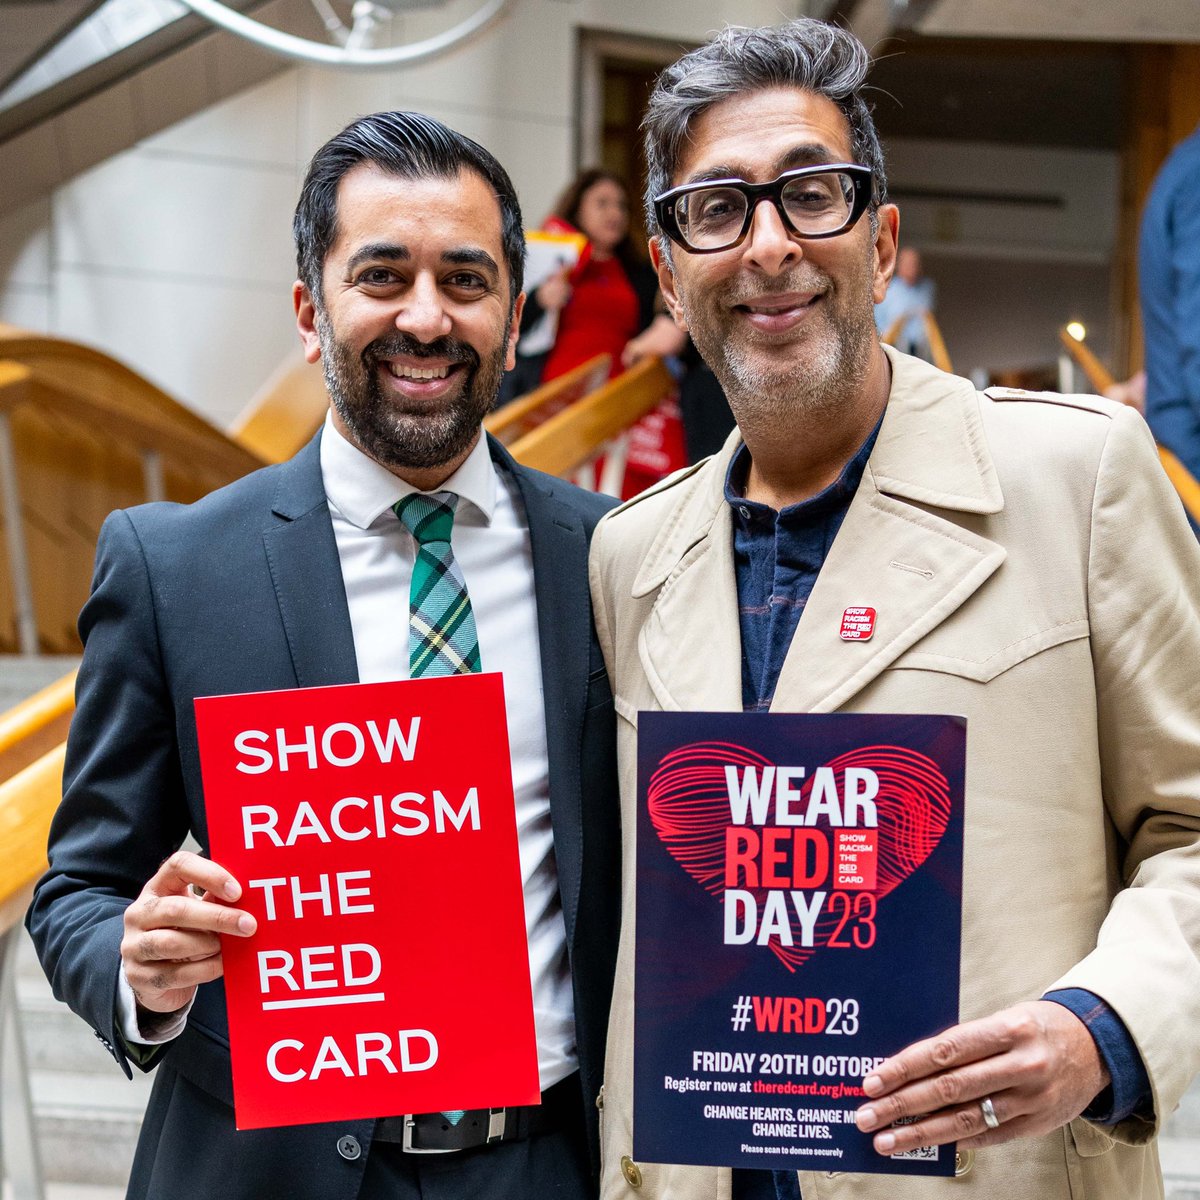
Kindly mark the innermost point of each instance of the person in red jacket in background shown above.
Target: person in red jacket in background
(608, 298)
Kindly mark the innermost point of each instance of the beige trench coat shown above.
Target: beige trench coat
(1031, 569)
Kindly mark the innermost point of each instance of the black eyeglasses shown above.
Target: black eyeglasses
(812, 202)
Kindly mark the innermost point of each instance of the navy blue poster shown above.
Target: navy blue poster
(799, 912)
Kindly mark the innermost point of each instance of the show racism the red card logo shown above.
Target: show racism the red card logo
(373, 830)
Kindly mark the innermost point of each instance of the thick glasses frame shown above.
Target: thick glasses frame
(665, 205)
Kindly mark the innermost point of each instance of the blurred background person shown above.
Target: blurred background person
(608, 297)
(1169, 287)
(707, 418)
(910, 295)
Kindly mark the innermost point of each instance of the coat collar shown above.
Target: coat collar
(913, 565)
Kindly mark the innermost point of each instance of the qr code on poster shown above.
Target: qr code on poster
(921, 1153)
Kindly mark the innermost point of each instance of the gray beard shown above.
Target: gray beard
(818, 385)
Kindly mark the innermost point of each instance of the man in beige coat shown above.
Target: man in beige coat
(1030, 568)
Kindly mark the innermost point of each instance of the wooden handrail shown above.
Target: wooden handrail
(80, 435)
(1098, 375)
(938, 354)
(58, 360)
(21, 385)
(570, 439)
(1101, 378)
(27, 804)
(937, 345)
(1183, 481)
(35, 726)
(525, 413)
(285, 412)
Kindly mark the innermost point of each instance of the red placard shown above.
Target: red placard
(373, 830)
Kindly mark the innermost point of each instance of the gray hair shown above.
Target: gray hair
(805, 53)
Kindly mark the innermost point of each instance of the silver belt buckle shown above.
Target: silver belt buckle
(410, 1120)
(495, 1133)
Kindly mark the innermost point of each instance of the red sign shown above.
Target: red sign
(373, 830)
(858, 624)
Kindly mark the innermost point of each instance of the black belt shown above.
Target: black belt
(432, 1133)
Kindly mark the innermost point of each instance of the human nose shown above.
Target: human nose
(423, 313)
(769, 246)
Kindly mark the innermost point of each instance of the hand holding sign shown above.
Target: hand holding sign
(1035, 1061)
(171, 942)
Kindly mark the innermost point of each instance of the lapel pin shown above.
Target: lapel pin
(858, 624)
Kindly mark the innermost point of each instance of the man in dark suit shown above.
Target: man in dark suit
(410, 251)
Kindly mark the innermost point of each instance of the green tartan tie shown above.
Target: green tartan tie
(441, 626)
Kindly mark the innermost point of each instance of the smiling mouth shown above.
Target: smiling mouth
(404, 371)
(776, 308)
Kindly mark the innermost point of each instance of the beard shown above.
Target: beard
(394, 436)
(821, 369)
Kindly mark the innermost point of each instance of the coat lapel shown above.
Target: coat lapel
(303, 559)
(691, 566)
(559, 546)
(894, 553)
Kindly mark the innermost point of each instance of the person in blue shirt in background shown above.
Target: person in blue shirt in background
(1169, 286)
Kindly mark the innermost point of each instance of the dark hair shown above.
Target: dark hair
(570, 201)
(805, 53)
(408, 145)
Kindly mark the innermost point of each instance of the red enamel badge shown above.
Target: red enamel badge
(858, 624)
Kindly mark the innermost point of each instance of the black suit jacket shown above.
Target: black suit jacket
(240, 592)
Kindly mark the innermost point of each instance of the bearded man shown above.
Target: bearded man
(410, 252)
(1028, 566)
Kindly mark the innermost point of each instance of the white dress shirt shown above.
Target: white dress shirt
(491, 544)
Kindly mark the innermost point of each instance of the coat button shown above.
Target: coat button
(631, 1171)
(348, 1148)
(964, 1160)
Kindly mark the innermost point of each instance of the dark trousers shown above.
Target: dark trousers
(548, 1166)
(765, 1185)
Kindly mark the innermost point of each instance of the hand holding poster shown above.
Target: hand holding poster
(381, 864)
(798, 920)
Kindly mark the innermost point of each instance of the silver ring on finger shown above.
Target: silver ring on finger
(989, 1113)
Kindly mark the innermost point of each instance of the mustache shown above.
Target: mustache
(448, 348)
(802, 279)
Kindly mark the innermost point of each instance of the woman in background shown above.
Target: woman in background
(608, 298)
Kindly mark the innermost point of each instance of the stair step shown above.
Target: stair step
(87, 1124)
(75, 1191)
(21, 675)
(57, 1040)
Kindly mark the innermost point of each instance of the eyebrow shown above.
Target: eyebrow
(471, 256)
(463, 256)
(388, 251)
(808, 154)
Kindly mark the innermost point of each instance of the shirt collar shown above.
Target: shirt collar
(361, 490)
(837, 494)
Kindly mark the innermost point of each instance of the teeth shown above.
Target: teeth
(403, 372)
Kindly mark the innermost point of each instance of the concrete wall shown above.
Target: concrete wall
(175, 255)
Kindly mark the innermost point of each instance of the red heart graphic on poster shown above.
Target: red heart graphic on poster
(689, 806)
